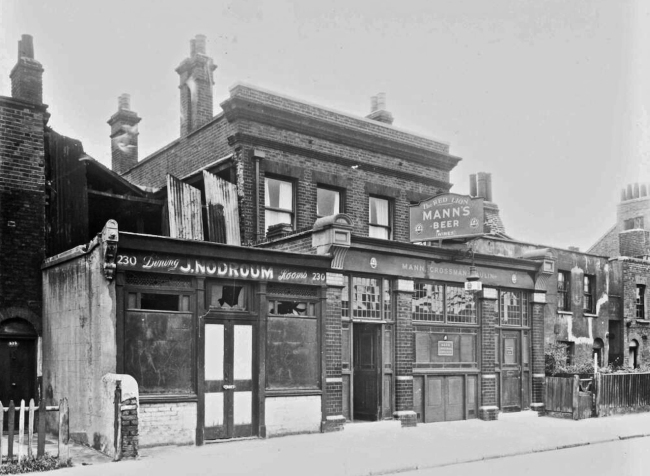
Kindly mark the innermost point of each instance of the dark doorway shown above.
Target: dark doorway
(367, 371)
(18, 362)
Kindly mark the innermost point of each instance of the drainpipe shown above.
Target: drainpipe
(257, 155)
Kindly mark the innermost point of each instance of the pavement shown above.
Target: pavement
(376, 448)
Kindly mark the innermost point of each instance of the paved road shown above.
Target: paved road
(626, 457)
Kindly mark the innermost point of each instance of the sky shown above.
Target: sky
(549, 96)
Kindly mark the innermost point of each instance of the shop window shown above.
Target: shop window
(379, 223)
(328, 202)
(640, 301)
(563, 291)
(371, 298)
(588, 291)
(228, 297)
(158, 342)
(443, 303)
(514, 308)
(278, 202)
(293, 347)
(440, 348)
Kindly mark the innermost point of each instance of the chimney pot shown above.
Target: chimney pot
(381, 101)
(623, 195)
(630, 194)
(124, 102)
(488, 187)
(472, 185)
(482, 185)
(373, 104)
(644, 190)
(200, 41)
(26, 47)
(636, 190)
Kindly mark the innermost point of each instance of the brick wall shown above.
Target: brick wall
(607, 245)
(488, 398)
(404, 352)
(130, 437)
(537, 350)
(634, 243)
(333, 365)
(635, 272)
(22, 209)
(167, 424)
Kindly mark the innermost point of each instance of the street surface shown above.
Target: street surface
(628, 457)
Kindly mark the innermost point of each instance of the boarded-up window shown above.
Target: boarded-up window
(223, 210)
(439, 348)
(185, 216)
(158, 351)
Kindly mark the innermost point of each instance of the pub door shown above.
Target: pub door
(515, 370)
(367, 371)
(229, 379)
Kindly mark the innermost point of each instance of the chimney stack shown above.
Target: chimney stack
(378, 110)
(196, 81)
(27, 74)
(480, 185)
(124, 136)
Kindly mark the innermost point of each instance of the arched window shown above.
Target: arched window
(17, 327)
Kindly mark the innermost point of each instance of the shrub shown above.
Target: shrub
(43, 463)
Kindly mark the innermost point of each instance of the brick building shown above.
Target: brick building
(627, 244)
(264, 274)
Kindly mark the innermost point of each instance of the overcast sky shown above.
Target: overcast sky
(548, 96)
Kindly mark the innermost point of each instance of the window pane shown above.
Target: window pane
(228, 297)
(428, 302)
(293, 353)
(510, 308)
(378, 232)
(378, 211)
(278, 194)
(461, 305)
(272, 217)
(345, 297)
(160, 302)
(366, 298)
(328, 202)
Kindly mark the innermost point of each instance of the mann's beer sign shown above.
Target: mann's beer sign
(447, 216)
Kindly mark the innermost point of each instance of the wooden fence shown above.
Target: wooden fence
(567, 397)
(622, 393)
(64, 429)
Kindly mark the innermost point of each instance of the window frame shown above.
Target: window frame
(386, 287)
(389, 227)
(588, 286)
(564, 295)
(292, 211)
(445, 305)
(247, 288)
(338, 190)
(525, 311)
(640, 301)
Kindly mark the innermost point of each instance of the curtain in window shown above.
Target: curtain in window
(378, 211)
(327, 202)
(278, 194)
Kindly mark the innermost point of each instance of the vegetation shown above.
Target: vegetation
(555, 361)
(43, 463)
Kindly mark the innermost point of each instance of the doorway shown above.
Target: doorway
(366, 351)
(229, 379)
(515, 372)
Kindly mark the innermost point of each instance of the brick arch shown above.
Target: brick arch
(23, 313)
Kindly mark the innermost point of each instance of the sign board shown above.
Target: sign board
(445, 348)
(473, 286)
(217, 268)
(446, 216)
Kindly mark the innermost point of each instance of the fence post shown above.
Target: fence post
(576, 390)
(10, 426)
(30, 431)
(64, 430)
(21, 431)
(118, 420)
(40, 450)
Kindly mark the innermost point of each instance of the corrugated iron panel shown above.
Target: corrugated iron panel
(184, 202)
(223, 210)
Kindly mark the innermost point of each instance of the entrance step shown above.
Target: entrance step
(517, 415)
(372, 426)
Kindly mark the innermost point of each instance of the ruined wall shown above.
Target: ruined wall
(79, 345)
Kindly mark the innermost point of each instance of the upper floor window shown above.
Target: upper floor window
(588, 291)
(328, 202)
(640, 301)
(278, 202)
(379, 218)
(513, 308)
(563, 291)
(633, 223)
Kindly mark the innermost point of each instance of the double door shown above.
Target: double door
(229, 378)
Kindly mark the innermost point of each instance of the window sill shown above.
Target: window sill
(565, 313)
(589, 314)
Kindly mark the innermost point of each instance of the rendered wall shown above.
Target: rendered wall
(79, 343)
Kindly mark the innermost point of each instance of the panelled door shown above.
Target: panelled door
(445, 398)
(367, 371)
(511, 374)
(229, 379)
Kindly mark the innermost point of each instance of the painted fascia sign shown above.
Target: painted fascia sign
(446, 216)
